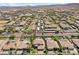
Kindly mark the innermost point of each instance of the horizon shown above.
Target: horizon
(29, 4)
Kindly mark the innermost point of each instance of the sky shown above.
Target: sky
(34, 2)
(24, 4)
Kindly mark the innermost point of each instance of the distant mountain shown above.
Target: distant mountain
(68, 5)
(72, 4)
(76, 5)
(60, 5)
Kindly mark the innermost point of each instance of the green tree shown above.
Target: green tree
(29, 31)
(12, 37)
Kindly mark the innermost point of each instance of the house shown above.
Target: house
(51, 44)
(77, 21)
(51, 28)
(76, 42)
(16, 46)
(64, 25)
(9, 47)
(33, 25)
(22, 45)
(67, 46)
(1, 45)
(18, 34)
(38, 33)
(47, 34)
(39, 44)
(2, 24)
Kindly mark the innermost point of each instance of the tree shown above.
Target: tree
(78, 36)
(46, 51)
(32, 50)
(72, 36)
(10, 29)
(32, 38)
(55, 38)
(29, 31)
(12, 37)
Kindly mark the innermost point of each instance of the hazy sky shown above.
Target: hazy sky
(23, 4)
(34, 2)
